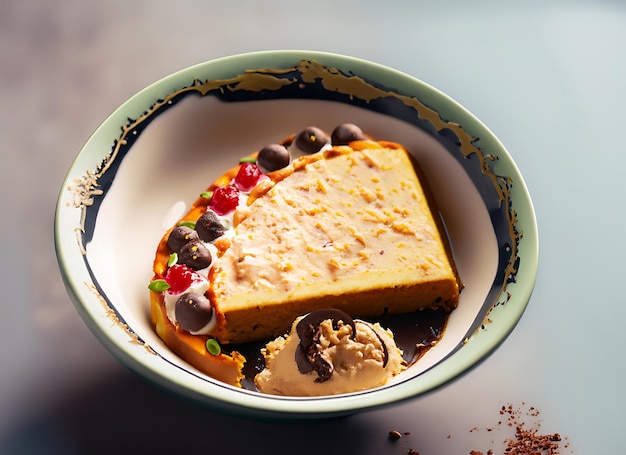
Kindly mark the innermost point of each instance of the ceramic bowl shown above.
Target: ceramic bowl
(133, 176)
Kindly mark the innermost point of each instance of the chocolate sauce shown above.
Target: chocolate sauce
(255, 362)
(414, 333)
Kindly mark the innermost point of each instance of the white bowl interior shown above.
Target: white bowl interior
(186, 148)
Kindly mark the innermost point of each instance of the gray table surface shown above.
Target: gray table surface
(548, 78)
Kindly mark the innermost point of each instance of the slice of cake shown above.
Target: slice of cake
(348, 228)
(346, 225)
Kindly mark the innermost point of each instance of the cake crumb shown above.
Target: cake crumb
(395, 435)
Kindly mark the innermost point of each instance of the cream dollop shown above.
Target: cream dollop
(364, 361)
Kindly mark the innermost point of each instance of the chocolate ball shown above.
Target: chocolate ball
(346, 133)
(195, 255)
(193, 311)
(180, 236)
(209, 227)
(311, 139)
(273, 157)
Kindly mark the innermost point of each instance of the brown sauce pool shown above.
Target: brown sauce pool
(414, 333)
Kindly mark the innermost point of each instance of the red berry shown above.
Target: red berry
(180, 277)
(224, 200)
(248, 176)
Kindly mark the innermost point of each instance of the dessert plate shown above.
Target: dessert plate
(136, 174)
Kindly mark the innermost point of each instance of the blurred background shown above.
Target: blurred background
(547, 77)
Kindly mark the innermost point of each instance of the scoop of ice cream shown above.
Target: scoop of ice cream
(326, 353)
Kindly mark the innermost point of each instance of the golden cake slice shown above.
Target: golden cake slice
(347, 225)
(349, 228)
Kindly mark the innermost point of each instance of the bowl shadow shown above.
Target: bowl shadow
(123, 413)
